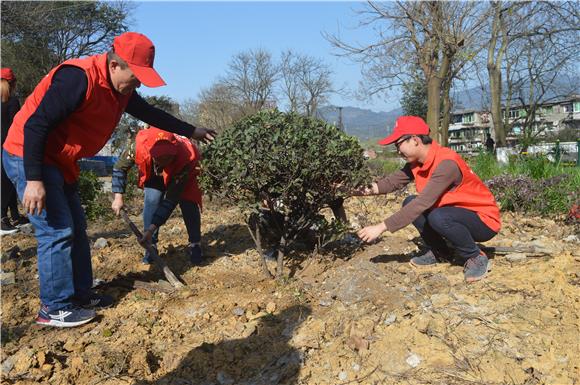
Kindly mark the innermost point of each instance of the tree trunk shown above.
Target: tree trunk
(494, 71)
(258, 242)
(281, 251)
(496, 115)
(433, 105)
(446, 118)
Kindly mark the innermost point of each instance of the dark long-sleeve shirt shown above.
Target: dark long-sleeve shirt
(66, 93)
(446, 177)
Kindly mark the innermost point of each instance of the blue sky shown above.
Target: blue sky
(196, 40)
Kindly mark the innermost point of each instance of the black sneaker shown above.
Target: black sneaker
(64, 318)
(95, 301)
(6, 226)
(195, 254)
(20, 221)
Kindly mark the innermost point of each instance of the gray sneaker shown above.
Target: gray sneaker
(476, 268)
(427, 259)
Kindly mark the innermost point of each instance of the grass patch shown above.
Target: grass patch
(530, 183)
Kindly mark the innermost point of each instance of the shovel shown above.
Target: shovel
(153, 254)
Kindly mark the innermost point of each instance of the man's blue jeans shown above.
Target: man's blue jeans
(189, 210)
(64, 255)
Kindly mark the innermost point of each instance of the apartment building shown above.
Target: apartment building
(468, 128)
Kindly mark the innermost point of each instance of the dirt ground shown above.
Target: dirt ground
(356, 315)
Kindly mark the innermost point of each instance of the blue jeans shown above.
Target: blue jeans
(461, 227)
(64, 256)
(189, 211)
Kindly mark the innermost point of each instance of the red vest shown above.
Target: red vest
(471, 194)
(187, 154)
(84, 132)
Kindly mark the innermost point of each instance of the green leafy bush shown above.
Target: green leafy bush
(96, 203)
(292, 164)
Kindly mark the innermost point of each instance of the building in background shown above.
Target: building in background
(468, 128)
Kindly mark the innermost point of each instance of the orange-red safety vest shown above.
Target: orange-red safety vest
(471, 194)
(86, 130)
(187, 154)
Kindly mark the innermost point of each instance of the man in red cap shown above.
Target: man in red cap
(168, 168)
(71, 114)
(453, 208)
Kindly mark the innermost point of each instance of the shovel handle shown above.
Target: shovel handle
(152, 252)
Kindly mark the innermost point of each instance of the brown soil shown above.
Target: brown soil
(355, 315)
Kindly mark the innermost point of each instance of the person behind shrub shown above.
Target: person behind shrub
(489, 144)
(168, 169)
(10, 106)
(71, 114)
(453, 206)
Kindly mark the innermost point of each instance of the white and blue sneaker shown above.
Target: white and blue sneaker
(64, 318)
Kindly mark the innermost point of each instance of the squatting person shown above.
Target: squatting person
(453, 208)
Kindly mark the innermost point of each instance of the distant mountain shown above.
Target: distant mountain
(362, 123)
(366, 124)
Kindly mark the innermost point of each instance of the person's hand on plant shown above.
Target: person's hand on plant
(373, 189)
(370, 233)
(203, 134)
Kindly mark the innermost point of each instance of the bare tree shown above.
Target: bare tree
(251, 75)
(429, 35)
(289, 79)
(219, 107)
(306, 82)
(315, 81)
(188, 111)
(532, 44)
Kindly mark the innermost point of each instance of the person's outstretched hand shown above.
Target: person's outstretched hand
(373, 189)
(370, 233)
(203, 134)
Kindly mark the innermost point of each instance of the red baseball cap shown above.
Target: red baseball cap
(8, 74)
(162, 147)
(406, 125)
(139, 52)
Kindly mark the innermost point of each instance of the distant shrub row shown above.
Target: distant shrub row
(530, 183)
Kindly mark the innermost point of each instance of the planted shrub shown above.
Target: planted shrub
(92, 197)
(289, 164)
